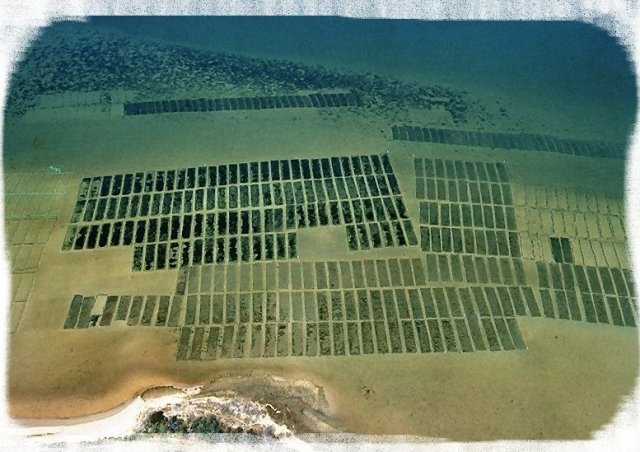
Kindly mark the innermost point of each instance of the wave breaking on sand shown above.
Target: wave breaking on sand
(265, 408)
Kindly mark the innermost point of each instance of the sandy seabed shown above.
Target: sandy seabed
(568, 384)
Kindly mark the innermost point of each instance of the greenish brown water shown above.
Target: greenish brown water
(428, 226)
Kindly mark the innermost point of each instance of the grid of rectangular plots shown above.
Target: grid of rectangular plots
(28, 231)
(592, 308)
(249, 184)
(153, 193)
(381, 232)
(299, 276)
(475, 269)
(571, 201)
(32, 205)
(332, 322)
(26, 238)
(314, 291)
(176, 227)
(592, 294)
(371, 222)
(21, 285)
(312, 192)
(441, 239)
(476, 171)
(588, 279)
(592, 225)
(49, 182)
(25, 258)
(136, 310)
(30, 195)
(601, 253)
(596, 238)
(525, 141)
(354, 323)
(586, 252)
(244, 248)
(469, 208)
(202, 104)
(336, 323)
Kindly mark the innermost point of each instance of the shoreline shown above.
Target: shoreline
(107, 423)
(345, 397)
(126, 418)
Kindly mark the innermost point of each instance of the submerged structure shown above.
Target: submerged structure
(264, 214)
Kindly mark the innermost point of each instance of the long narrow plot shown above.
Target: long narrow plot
(315, 100)
(523, 141)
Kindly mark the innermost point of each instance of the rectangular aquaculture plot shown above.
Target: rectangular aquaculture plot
(449, 335)
(196, 346)
(518, 301)
(561, 304)
(123, 307)
(240, 341)
(627, 311)
(135, 311)
(192, 306)
(74, 312)
(463, 335)
(175, 314)
(297, 339)
(436, 336)
(532, 304)
(503, 334)
(338, 339)
(382, 345)
(547, 303)
(256, 344)
(614, 309)
(204, 310)
(109, 310)
(574, 309)
(183, 343)
(476, 334)
(490, 333)
(163, 310)
(352, 238)
(367, 338)
(514, 329)
(409, 336)
(69, 238)
(395, 335)
(311, 340)
(228, 333)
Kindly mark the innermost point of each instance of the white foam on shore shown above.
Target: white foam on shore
(231, 412)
